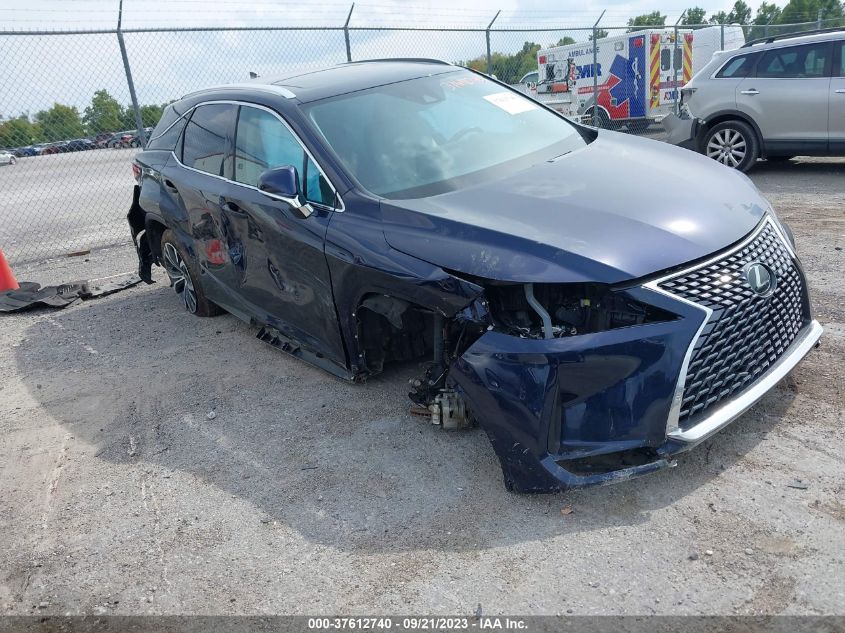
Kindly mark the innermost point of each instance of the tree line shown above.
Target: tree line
(830, 12)
(63, 122)
(511, 68)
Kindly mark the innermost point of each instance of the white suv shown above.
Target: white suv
(773, 98)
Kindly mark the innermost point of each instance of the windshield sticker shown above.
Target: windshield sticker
(462, 82)
(510, 102)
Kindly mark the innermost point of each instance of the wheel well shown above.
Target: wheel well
(722, 118)
(153, 232)
(392, 329)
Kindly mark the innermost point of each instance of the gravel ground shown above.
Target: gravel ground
(120, 493)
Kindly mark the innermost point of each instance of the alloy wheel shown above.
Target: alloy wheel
(180, 278)
(728, 147)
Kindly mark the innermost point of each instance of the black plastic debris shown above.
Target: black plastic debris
(32, 295)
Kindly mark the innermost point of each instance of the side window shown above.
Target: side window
(204, 144)
(737, 67)
(264, 142)
(795, 62)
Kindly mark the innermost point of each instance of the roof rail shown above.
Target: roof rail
(785, 36)
(415, 60)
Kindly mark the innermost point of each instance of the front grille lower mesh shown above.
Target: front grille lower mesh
(746, 332)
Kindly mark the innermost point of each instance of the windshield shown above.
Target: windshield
(434, 134)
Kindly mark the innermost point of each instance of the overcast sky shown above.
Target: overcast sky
(39, 70)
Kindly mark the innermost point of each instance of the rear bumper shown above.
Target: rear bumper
(681, 131)
(592, 410)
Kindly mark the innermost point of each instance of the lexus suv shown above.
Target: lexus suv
(403, 210)
(773, 98)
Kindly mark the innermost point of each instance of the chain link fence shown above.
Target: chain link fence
(70, 120)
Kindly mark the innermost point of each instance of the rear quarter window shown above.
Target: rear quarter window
(167, 136)
(737, 67)
(206, 136)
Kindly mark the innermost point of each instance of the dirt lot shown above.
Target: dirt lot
(303, 494)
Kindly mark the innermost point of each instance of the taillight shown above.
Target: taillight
(136, 171)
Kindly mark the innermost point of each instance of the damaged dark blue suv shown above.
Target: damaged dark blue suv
(596, 302)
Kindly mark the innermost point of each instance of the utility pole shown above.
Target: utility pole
(677, 92)
(487, 36)
(346, 34)
(142, 137)
(596, 70)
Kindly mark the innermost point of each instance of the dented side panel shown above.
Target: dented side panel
(361, 263)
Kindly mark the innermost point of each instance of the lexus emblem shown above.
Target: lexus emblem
(761, 278)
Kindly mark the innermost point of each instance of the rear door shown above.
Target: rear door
(284, 273)
(788, 98)
(194, 184)
(836, 118)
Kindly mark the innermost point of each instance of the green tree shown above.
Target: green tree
(809, 11)
(150, 114)
(104, 114)
(767, 13)
(720, 17)
(646, 20)
(600, 34)
(740, 13)
(60, 123)
(694, 15)
(16, 132)
(564, 41)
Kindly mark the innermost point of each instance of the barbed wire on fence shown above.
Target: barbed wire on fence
(77, 103)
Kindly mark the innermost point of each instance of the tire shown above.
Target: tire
(135, 143)
(13, 160)
(600, 119)
(185, 278)
(732, 143)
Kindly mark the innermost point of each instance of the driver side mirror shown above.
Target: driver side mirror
(282, 183)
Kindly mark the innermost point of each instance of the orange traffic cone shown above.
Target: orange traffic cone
(7, 277)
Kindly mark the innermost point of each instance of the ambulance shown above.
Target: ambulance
(634, 72)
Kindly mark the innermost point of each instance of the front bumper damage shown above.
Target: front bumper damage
(607, 406)
(572, 413)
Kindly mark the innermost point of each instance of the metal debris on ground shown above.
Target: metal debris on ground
(31, 295)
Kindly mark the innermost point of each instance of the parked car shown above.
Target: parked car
(7, 158)
(389, 211)
(101, 139)
(78, 145)
(51, 148)
(773, 98)
(29, 150)
(115, 140)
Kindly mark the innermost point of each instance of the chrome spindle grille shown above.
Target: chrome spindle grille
(746, 332)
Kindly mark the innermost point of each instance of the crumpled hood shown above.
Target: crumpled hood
(618, 209)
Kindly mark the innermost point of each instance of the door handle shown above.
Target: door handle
(231, 207)
(750, 91)
(841, 91)
(170, 186)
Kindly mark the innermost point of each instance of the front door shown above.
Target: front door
(788, 98)
(284, 273)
